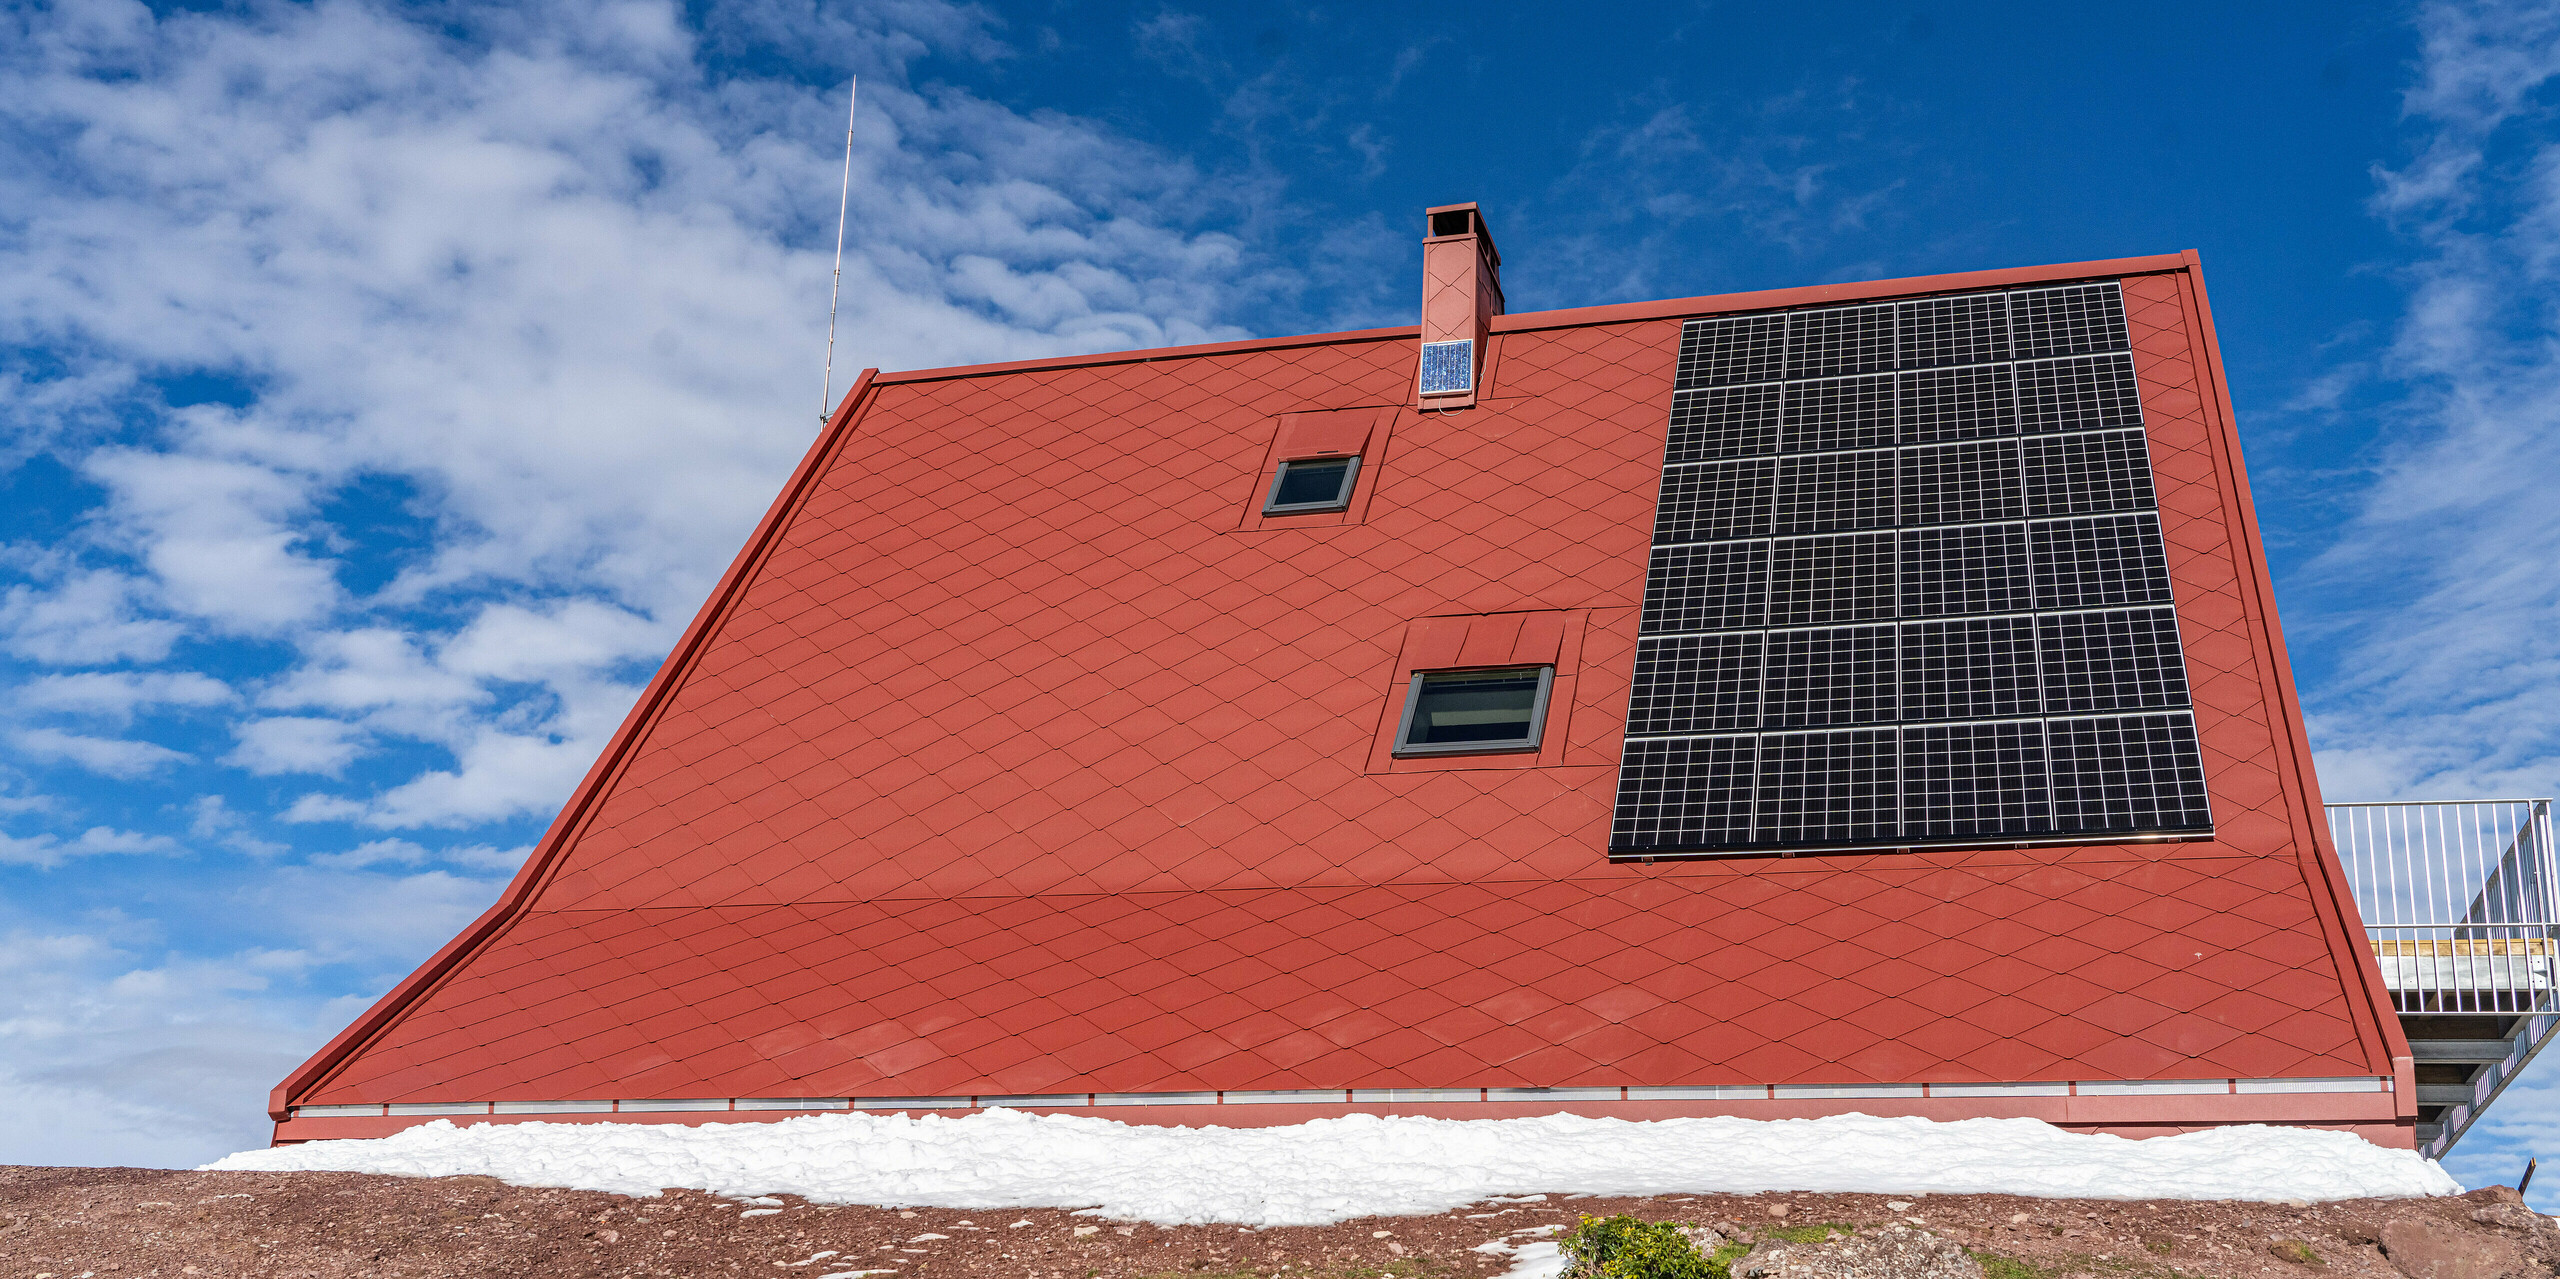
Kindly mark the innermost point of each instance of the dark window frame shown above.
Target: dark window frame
(1340, 501)
(1407, 748)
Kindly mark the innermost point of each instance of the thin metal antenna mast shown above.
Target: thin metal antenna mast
(844, 200)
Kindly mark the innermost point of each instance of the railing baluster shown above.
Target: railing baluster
(2461, 903)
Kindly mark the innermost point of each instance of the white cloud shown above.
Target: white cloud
(118, 694)
(85, 618)
(108, 756)
(2450, 635)
(373, 853)
(563, 287)
(486, 857)
(575, 638)
(295, 744)
(500, 775)
(148, 1057)
(2451, 651)
(47, 851)
(217, 533)
(554, 280)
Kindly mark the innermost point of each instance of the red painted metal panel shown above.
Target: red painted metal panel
(1005, 761)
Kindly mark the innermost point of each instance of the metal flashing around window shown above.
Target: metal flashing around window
(1309, 485)
(1489, 711)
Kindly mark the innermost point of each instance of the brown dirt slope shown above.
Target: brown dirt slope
(70, 1223)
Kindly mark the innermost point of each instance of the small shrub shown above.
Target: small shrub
(1622, 1247)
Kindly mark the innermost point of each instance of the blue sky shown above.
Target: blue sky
(384, 386)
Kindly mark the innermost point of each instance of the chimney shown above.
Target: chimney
(1461, 293)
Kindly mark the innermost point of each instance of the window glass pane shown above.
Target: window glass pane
(1475, 706)
(1312, 483)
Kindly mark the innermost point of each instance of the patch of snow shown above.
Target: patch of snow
(758, 1212)
(1536, 1260)
(1352, 1166)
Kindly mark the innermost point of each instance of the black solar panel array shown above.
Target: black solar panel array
(1908, 587)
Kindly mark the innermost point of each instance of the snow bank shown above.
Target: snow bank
(1365, 1165)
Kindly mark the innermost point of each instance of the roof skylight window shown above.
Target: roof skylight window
(1313, 484)
(1479, 712)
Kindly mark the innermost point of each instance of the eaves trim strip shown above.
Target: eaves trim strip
(1373, 1096)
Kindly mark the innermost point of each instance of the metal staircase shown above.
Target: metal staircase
(2459, 902)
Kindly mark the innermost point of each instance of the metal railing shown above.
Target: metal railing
(2460, 900)
(2461, 903)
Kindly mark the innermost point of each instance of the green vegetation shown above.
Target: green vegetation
(2295, 1251)
(1810, 1232)
(1622, 1247)
(1995, 1266)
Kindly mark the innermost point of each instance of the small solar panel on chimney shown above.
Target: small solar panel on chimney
(1448, 367)
(1908, 587)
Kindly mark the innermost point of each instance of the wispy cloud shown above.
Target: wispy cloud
(419, 369)
(47, 851)
(563, 290)
(107, 756)
(2450, 628)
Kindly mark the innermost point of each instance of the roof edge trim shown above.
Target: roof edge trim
(520, 891)
(1857, 291)
(1148, 355)
(2324, 874)
(1612, 313)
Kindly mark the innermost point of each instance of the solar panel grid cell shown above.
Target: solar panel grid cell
(2099, 561)
(2119, 660)
(1838, 341)
(1963, 483)
(1717, 501)
(1956, 404)
(1837, 413)
(1965, 568)
(1686, 792)
(1744, 348)
(1975, 780)
(2092, 394)
(1952, 542)
(2141, 772)
(1832, 492)
(2074, 319)
(1820, 678)
(2086, 474)
(1822, 788)
(1974, 668)
(1697, 683)
(1968, 328)
(1821, 581)
(1706, 588)
(1722, 422)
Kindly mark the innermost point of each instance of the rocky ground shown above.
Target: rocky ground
(92, 1223)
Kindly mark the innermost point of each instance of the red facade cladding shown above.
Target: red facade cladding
(1019, 754)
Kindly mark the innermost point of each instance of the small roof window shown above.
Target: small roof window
(1479, 712)
(1313, 484)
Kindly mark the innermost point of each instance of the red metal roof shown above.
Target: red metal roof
(1019, 754)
